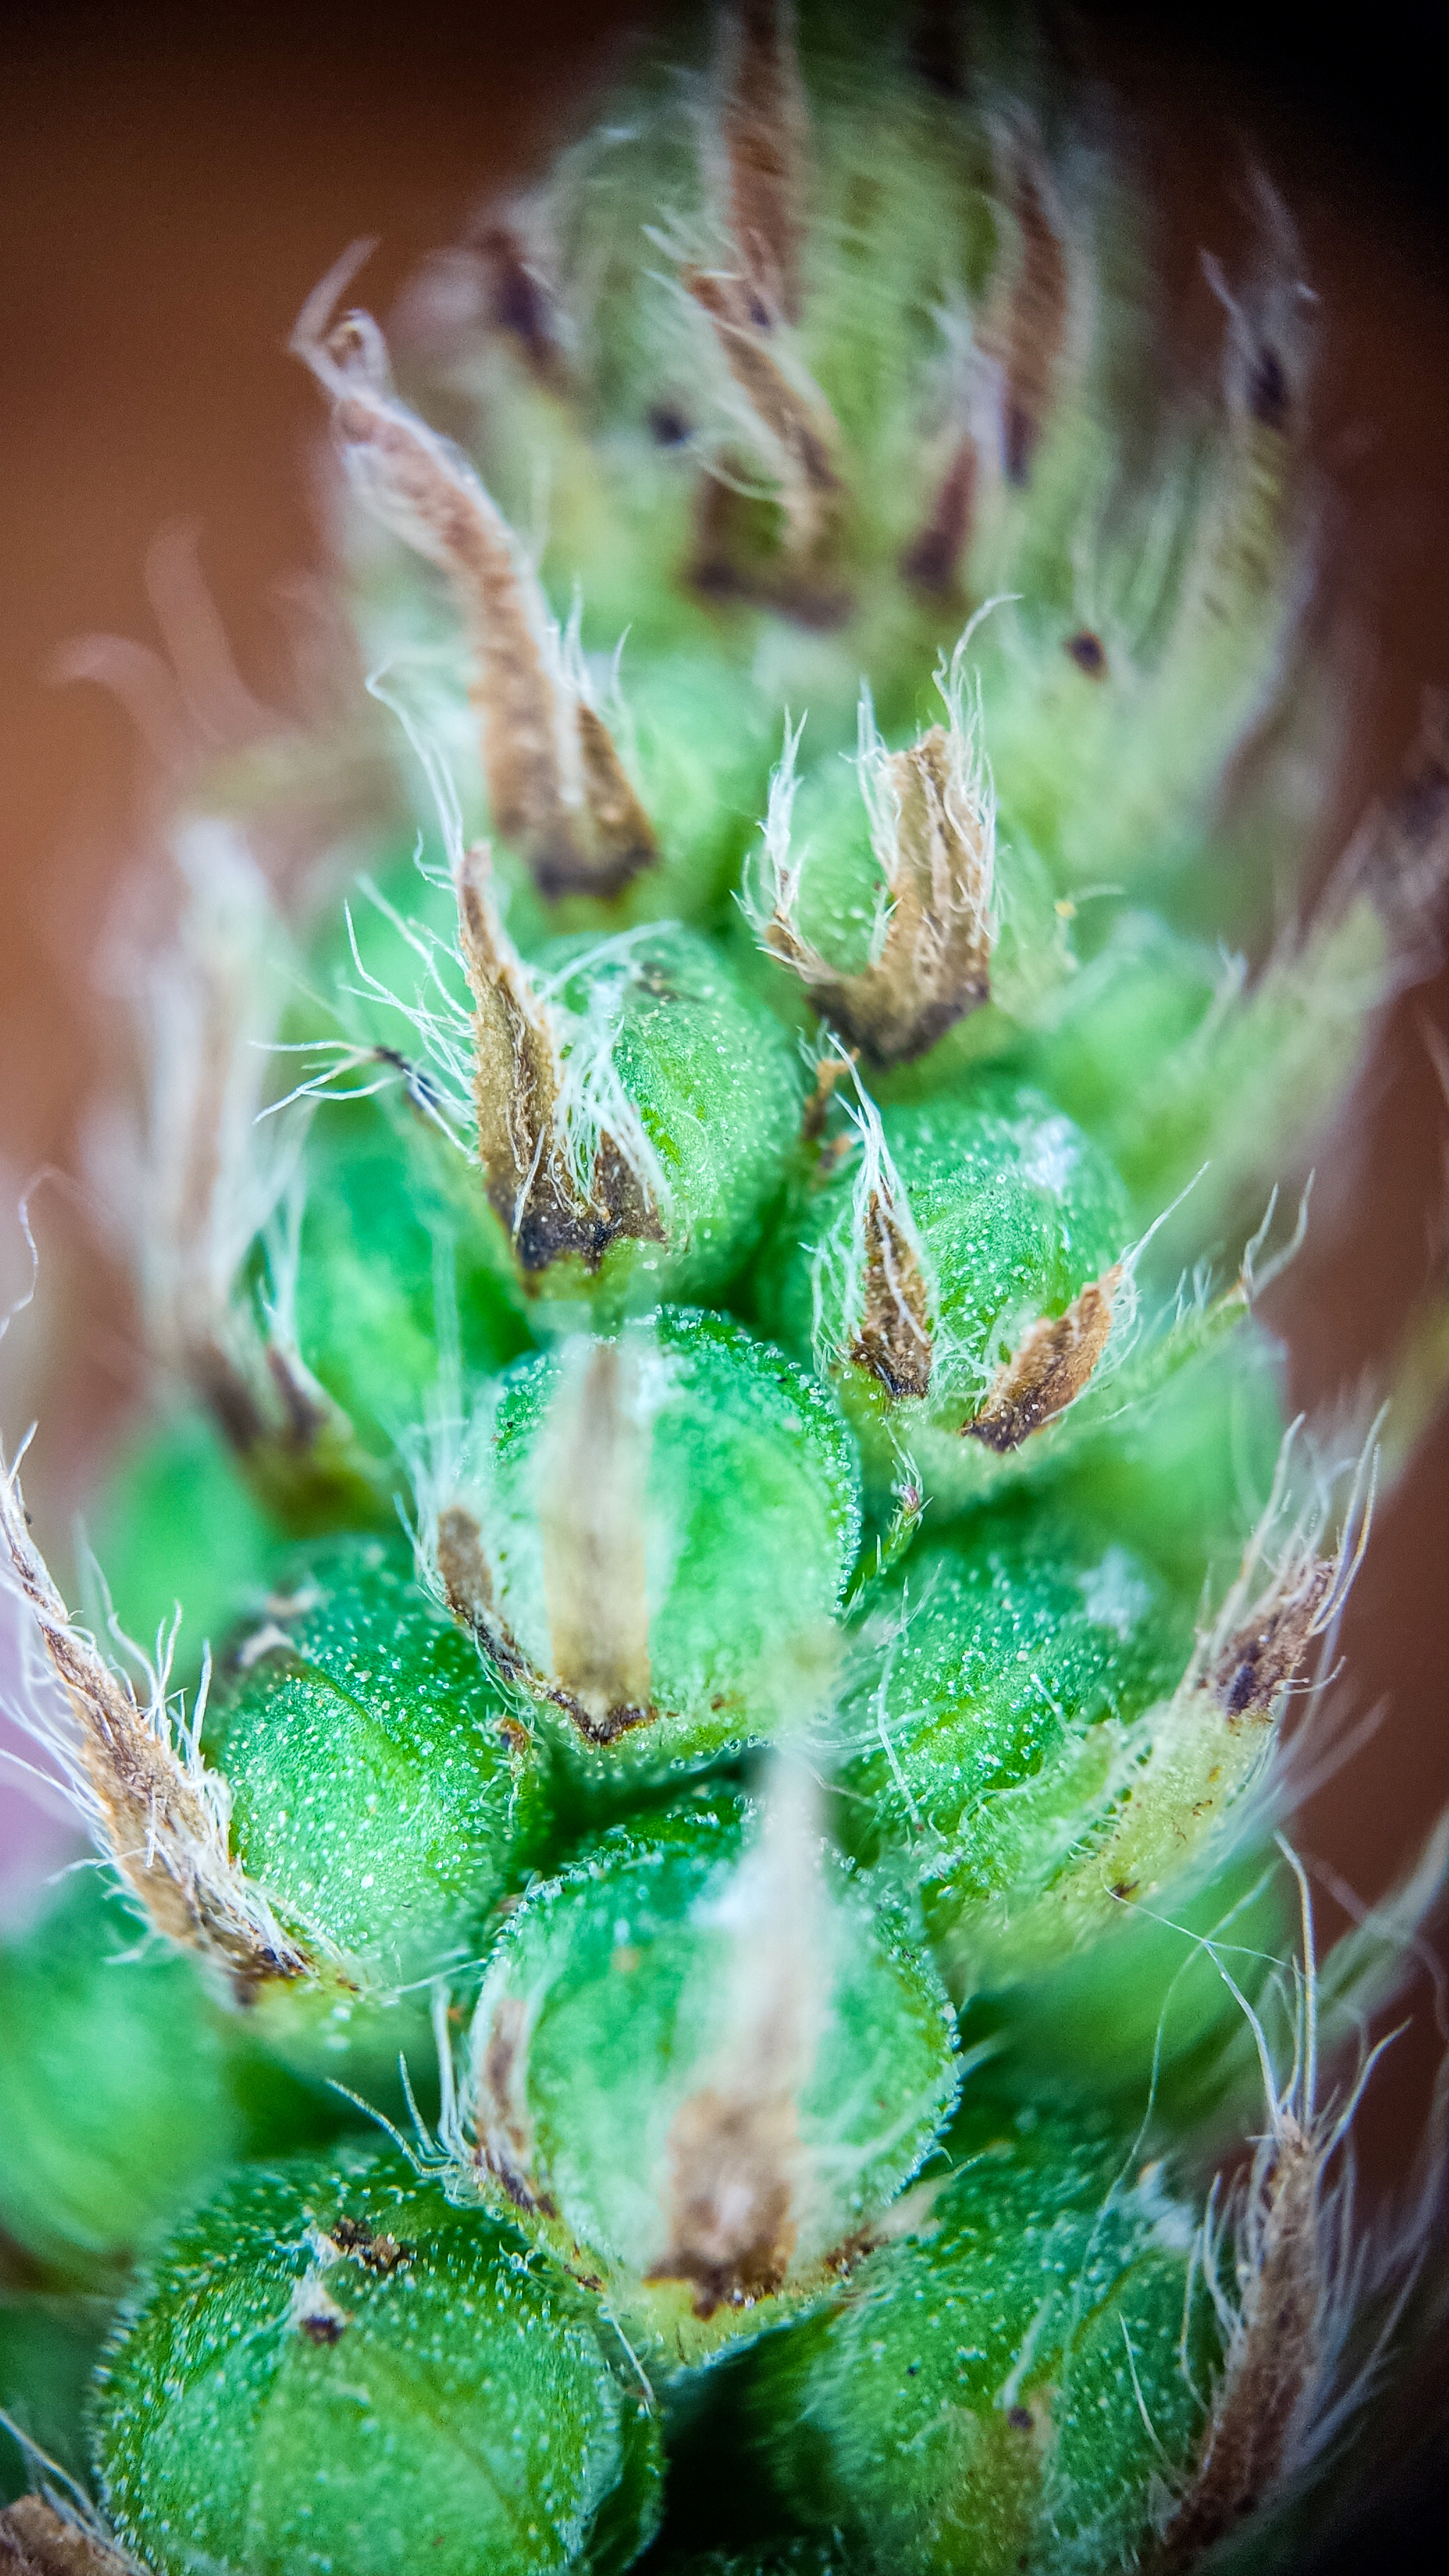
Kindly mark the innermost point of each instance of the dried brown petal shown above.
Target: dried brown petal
(894, 1341)
(1049, 1370)
(35, 2540)
(1026, 330)
(798, 431)
(591, 1512)
(935, 959)
(764, 121)
(732, 2231)
(529, 1175)
(161, 1819)
(556, 785)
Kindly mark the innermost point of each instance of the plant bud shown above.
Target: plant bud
(381, 1792)
(651, 1534)
(1012, 2386)
(991, 1700)
(704, 2062)
(330, 2366)
(957, 1270)
(635, 1105)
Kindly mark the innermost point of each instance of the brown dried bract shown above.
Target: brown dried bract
(467, 1583)
(520, 300)
(35, 2540)
(894, 1341)
(935, 960)
(1255, 1667)
(1026, 331)
(1274, 2356)
(764, 121)
(501, 2123)
(530, 1181)
(557, 787)
(1049, 1370)
(797, 429)
(732, 2231)
(933, 557)
(167, 1838)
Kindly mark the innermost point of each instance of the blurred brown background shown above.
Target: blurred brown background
(172, 188)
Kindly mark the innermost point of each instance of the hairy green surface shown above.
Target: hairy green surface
(722, 1439)
(628, 2006)
(273, 2405)
(377, 1795)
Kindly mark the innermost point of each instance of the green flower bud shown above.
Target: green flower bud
(1010, 2388)
(635, 1107)
(703, 2064)
(332, 2367)
(990, 1706)
(382, 1794)
(651, 1534)
(956, 1269)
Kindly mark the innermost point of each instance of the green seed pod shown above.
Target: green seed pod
(381, 1792)
(118, 2106)
(1010, 2388)
(957, 1274)
(651, 1534)
(332, 2367)
(703, 2064)
(991, 1702)
(635, 1107)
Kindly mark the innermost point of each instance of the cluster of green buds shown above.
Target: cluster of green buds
(671, 1992)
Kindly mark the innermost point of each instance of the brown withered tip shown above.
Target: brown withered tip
(35, 2540)
(1026, 328)
(500, 2118)
(517, 1091)
(1049, 1370)
(934, 964)
(894, 1339)
(932, 560)
(1260, 1660)
(1274, 2360)
(732, 2232)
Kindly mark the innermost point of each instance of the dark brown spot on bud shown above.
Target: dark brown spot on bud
(1089, 653)
(668, 425)
(1020, 2418)
(377, 2253)
(1259, 1662)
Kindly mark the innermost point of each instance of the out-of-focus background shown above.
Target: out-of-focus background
(172, 183)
